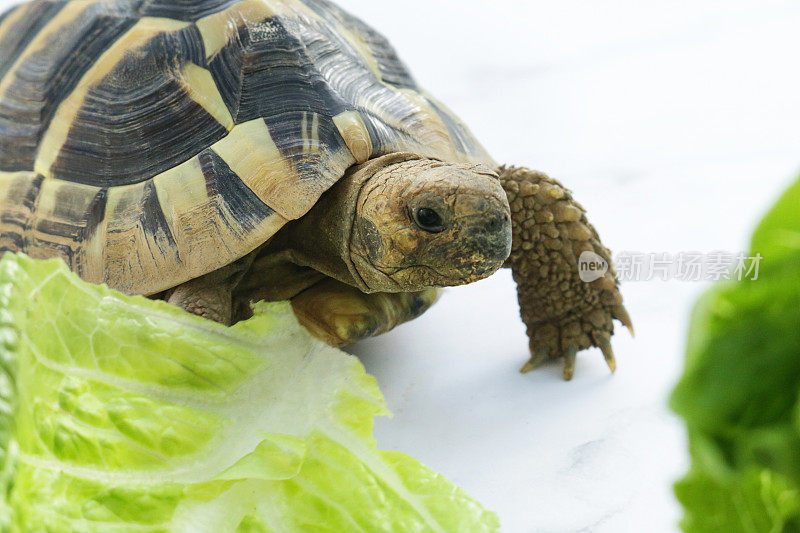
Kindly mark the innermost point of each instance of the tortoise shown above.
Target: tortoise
(218, 152)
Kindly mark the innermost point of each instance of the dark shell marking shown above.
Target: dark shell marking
(149, 142)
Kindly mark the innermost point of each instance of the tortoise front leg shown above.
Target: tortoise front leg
(211, 296)
(339, 314)
(563, 314)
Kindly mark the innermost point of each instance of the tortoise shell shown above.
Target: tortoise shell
(150, 142)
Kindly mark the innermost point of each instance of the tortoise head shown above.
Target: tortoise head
(423, 223)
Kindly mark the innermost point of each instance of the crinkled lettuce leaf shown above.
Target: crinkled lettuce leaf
(120, 413)
(739, 393)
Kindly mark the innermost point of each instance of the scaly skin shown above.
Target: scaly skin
(340, 314)
(211, 296)
(563, 314)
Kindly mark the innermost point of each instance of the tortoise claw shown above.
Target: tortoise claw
(621, 314)
(569, 362)
(605, 346)
(540, 357)
(537, 360)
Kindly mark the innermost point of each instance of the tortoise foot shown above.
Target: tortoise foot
(566, 285)
(339, 314)
(566, 338)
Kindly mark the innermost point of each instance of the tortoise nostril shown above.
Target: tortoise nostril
(497, 222)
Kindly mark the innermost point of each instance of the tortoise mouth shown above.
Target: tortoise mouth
(451, 277)
(420, 277)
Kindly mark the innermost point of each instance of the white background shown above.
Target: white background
(675, 124)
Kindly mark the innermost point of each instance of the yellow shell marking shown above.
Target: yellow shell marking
(354, 132)
(310, 133)
(125, 239)
(56, 134)
(66, 16)
(219, 28)
(200, 85)
(66, 204)
(193, 217)
(431, 130)
(252, 154)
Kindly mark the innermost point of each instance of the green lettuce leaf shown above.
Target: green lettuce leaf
(125, 414)
(739, 393)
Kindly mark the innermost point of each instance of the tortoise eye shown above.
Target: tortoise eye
(428, 220)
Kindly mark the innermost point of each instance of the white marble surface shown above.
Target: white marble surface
(676, 124)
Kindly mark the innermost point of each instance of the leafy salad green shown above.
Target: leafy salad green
(120, 413)
(739, 394)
